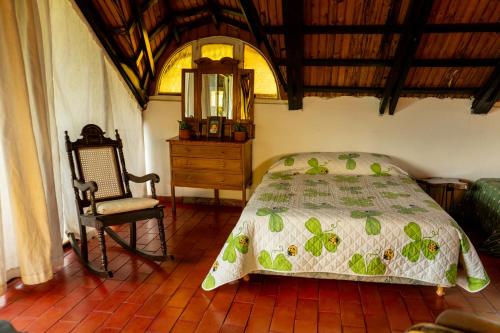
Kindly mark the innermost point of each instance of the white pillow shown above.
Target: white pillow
(338, 163)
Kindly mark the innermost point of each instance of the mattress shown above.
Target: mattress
(355, 216)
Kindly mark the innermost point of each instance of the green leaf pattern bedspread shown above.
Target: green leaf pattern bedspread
(379, 226)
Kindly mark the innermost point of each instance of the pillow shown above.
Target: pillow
(338, 163)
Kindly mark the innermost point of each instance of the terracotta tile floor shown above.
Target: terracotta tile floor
(144, 296)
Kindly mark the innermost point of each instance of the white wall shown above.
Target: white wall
(430, 137)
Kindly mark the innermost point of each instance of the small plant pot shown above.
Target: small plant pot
(240, 136)
(184, 134)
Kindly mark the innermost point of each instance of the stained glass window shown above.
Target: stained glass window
(264, 81)
(217, 51)
(170, 80)
(265, 85)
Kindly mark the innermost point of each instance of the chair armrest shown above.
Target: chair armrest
(464, 321)
(88, 186)
(153, 177)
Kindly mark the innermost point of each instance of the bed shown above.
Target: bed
(353, 216)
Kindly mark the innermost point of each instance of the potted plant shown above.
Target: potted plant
(240, 132)
(184, 130)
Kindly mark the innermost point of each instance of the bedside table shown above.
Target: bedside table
(446, 191)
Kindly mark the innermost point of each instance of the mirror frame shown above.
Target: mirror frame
(222, 66)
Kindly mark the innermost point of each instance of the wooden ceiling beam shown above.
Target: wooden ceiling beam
(145, 44)
(230, 11)
(386, 28)
(175, 34)
(108, 42)
(342, 89)
(234, 23)
(416, 17)
(293, 19)
(371, 62)
(148, 4)
(130, 26)
(456, 62)
(255, 26)
(488, 94)
(214, 12)
(378, 91)
(186, 13)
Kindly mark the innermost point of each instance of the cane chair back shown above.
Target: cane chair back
(97, 158)
(99, 164)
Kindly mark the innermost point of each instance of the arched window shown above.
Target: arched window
(170, 76)
(215, 48)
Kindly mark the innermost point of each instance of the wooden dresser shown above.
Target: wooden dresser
(221, 165)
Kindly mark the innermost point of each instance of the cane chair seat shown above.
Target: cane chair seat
(122, 205)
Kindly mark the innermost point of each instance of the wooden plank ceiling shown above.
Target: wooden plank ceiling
(383, 48)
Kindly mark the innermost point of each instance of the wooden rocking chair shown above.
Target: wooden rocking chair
(103, 196)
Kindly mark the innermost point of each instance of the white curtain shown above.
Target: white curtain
(55, 76)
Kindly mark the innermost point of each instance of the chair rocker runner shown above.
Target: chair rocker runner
(103, 197)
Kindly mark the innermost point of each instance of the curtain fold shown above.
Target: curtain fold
(55, 76)
(31, 236)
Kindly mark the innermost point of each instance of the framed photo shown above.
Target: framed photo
(215, 127)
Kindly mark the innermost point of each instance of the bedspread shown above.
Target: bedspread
(378, 227)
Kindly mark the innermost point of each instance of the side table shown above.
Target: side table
(446, 191)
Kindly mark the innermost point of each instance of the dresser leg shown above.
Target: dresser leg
(216, 195)
(172, 196)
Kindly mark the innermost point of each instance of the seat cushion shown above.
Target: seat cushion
(122, 205)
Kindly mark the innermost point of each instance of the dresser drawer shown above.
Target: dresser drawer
(207, 164)
(207, 179)
(206, 151)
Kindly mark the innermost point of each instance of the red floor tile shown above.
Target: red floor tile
(211, 321)
(165, 320)
(62, 327)
(195, 309)
(396, 310)
(46, 320)
(20, 323)
(307, 310)
(141, 294)
(305, 326)
(238, 314)
(122, 315)
(351, 314)
(137, 324)
(308, 289)
(329, 323)
(283, 319)
(91, 323)
(260, 319)
(184, 327)
(181, 297)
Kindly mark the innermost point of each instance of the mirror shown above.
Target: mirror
(189, 95)
(218, 89)
(217, 95)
